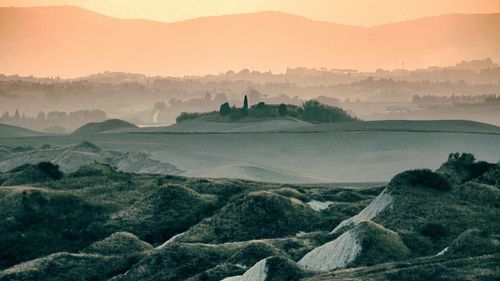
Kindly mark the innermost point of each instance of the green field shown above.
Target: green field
(343, 152)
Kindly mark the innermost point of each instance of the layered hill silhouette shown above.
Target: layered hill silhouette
(69, 41)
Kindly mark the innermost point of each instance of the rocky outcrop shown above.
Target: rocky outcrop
(71, 158)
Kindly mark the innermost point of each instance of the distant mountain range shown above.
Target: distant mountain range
(70, 42)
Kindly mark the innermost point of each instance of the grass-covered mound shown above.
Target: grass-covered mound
(480, 268)
(364, 244)
(491, 177)
(421, 178)
(271, 268)
(119, 243)
(99, 261)
(245, 257)
(280, 268)
(178, 262)
(379, 244)
(67, 266)
(167, 210)
(460, 168)
(108, 125)
(474, 242)
(78, 211)
(87, 212)
(26, 174)
(212, 262)
(428, 219)
(94, 169)
(38, 222)
(86, 146)
(253, 252)
(255, 216)
(218, 273)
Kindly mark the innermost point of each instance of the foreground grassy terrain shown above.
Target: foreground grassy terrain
(47, 214)
(100, 224)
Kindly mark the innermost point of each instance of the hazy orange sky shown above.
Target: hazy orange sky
(354, 12)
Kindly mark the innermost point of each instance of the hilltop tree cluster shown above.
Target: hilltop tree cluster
(311, 111)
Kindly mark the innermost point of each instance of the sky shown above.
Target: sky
(352, 12)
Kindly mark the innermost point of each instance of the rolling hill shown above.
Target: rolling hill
(298, 126)
(260, 151)
(69, 41)
(9, 131)
(101, 127)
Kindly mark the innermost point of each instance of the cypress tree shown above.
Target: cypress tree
(245, 105)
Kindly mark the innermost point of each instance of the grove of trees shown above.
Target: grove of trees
(311, 111)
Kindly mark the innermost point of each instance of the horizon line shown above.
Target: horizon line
(236, 71)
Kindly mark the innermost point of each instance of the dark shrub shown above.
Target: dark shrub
(434, 231)
(262, 110)
(491, 177)
(159, 182)
(50, 169)
(236, 113)
(224, 109)
(466, 158)
(421, 177)
(282, 110)
(479, 168)
(314, 111)
(462, 167)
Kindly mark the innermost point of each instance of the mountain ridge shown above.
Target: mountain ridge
(263, 12)
(51, 41)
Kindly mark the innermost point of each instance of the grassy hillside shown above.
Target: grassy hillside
(308, 155)
(206, 126)
(431, 268)
(101, 224)
(452, 126)
(9, 131)
(448, 213)
(98, 201)
(108, 125)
